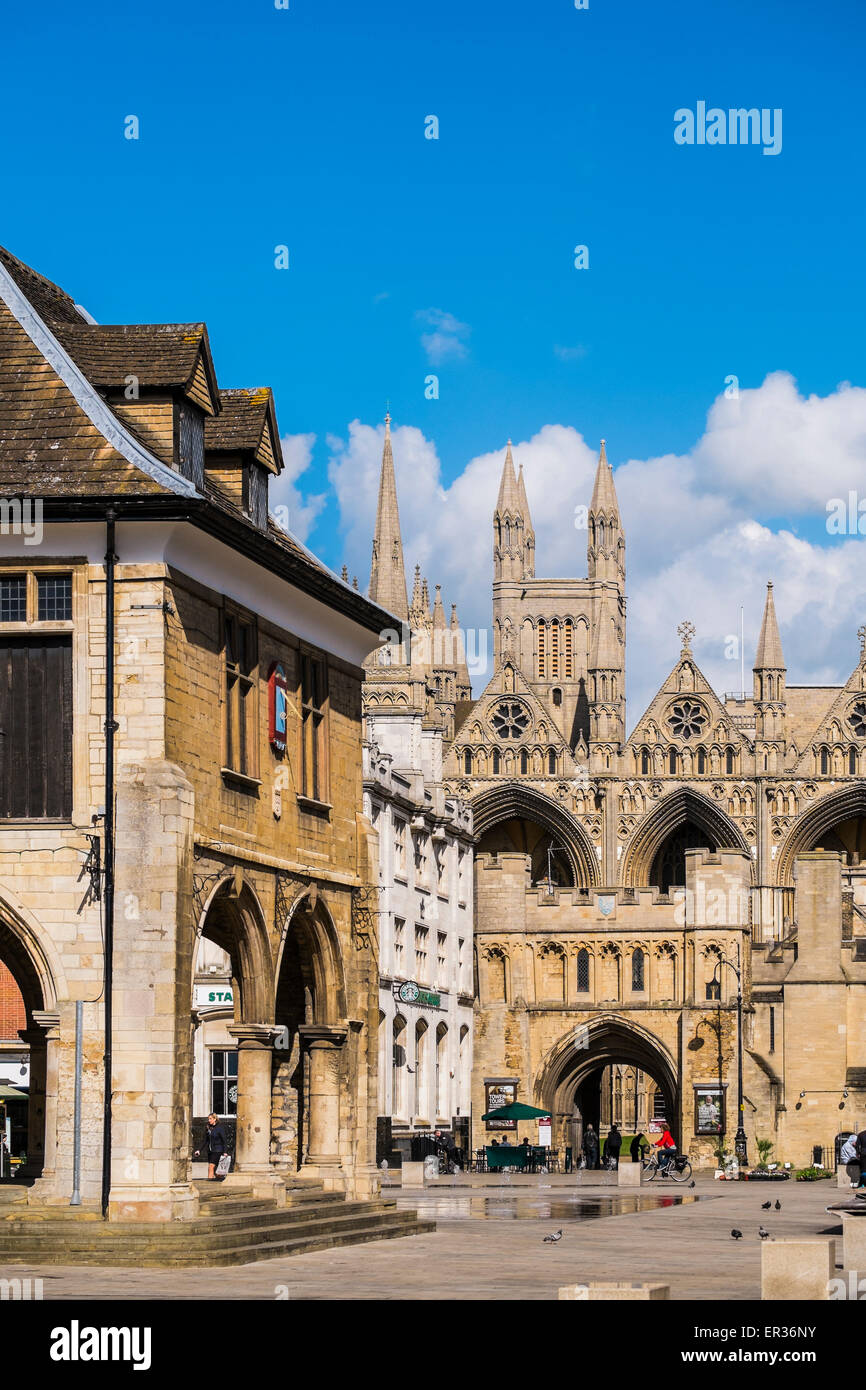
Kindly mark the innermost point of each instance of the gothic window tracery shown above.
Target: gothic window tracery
(687, 719)
(509, 719)
(857, 718)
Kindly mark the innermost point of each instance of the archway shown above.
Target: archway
(684, 819)
(836, 822)
(31, 1018)
(310, 1012)
(234, 922)
(570, 1080)
(515, 817)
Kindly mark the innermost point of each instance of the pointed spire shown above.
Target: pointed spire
(769, 654)
(425, 598)
(604, 493)
(509, 496)
(605, 549)
(458, 653)
(387, 574)
(439, 610)
(606, 654)
(344, 574)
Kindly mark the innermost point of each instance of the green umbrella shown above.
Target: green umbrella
(516, 1111)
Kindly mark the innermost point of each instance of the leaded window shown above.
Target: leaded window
(857, 718)
(687, 719)
(583, 971)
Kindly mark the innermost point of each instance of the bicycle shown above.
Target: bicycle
(678, 1170)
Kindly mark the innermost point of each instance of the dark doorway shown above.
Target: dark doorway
(669, 865)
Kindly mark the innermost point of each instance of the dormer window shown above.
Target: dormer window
(255, 493)
(189, 449)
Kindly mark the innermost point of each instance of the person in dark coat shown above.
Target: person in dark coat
(636, 1148)
(861, 1156)
(590, 1147)
(612, 1146)
(215, 1144)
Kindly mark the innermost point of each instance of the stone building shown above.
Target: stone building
(424, 908)
(625, 882)
(136, 504)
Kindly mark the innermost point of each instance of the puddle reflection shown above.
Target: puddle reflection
(478, 1207)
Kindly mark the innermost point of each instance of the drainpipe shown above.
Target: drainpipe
(75, 1199)
(110, 730)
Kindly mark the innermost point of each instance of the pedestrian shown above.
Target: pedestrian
(861, 1157)
(849, 1156)
(214, 1145)
(612, 1146)
(590, 1147)
(636, 1148)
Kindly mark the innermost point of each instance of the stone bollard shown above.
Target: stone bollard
(413, 1174)
(797, 1269)
(629, 1174)
(854, 1238)
(617, 1291)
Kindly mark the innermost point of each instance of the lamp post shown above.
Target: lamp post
(740, 1136)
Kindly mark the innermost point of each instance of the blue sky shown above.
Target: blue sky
(305, 127)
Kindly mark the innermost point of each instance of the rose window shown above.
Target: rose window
(857, 719)
(509, 719)
(687, 719)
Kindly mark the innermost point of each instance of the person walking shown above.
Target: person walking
(590, 1147)
(636, 1148)
(214, 1145)
(849, 1156)
(612, 1146)
(861, 1157)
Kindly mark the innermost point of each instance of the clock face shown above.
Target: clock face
(409, 993)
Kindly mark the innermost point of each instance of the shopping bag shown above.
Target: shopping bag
(224, 1165)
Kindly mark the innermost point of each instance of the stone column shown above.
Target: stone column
(43, 1040)
(255, 1048)
(323, 1045)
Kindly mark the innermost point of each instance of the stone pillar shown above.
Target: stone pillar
(152, 1033)
(44, 1042)
(794, 1270)
(253, 1153)
(323, 1046)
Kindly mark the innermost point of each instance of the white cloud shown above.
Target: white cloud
(569, 354)
(699, 542)
(446, 340)
(294, 511)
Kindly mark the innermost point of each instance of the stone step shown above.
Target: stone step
(225, 1225)
(280, 1237)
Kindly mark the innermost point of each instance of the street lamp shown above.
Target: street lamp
(740, 1137)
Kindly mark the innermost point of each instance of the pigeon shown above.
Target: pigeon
(762, 1233)
(765, 1206)
(557, 1235)
(738, 1235)
(778, 1206)
(692, 1183)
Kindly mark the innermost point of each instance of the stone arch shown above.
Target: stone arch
(513, 801)
(28, 952)
(849, 803)
(310, 936)
(607, 1039)
(234, 920)
(675, 810)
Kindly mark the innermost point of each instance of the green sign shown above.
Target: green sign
(425, 997)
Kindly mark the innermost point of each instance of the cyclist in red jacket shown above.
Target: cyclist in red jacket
(668, 1146)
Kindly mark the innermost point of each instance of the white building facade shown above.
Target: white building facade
(424, 920)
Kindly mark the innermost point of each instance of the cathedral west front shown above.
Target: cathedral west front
(670, 922)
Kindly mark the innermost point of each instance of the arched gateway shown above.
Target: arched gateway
(570, 1079)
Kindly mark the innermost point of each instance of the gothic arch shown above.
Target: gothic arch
(512, 800)
(30, 955)
(310, 924)
(234, 920)
(670, 813)
(610, 1038)
(846, 804)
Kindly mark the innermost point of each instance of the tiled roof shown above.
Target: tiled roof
(244, 417)
(160, 355)
(48, 445)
